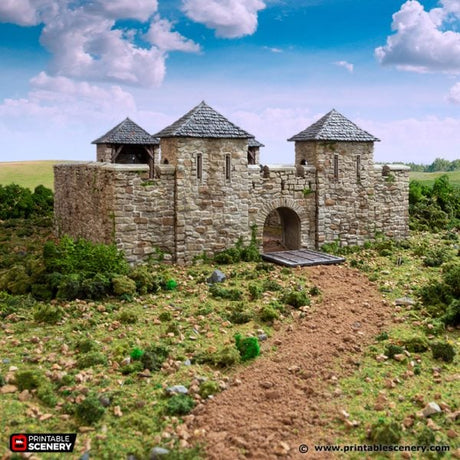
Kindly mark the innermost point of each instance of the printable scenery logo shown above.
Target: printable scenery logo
(42, 442)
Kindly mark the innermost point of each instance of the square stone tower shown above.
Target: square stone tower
(211, 201)
(343, 156)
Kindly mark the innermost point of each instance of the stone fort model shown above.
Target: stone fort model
(197, 187)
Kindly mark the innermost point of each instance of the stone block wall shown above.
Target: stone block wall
(391, 208)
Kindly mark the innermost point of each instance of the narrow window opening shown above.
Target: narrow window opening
(165, 161)
(283, 184)
(303, 162)
(336, 167)
(358, 168)
(227, 167)
(199, 166)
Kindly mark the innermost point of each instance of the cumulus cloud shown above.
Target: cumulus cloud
(161, 35)
(229, 18)
(346, 65)
(422, 42)
(85, 42)
(454, 94)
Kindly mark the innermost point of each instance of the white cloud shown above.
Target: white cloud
(454, 94)
(21, 12)
(161, 35)
(229, 18)
(141, 10)
(420, 43)
(346, 65)
(273, 50)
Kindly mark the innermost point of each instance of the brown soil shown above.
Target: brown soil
(286, 398)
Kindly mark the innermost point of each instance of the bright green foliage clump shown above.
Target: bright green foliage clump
(443, 351)
(136, 353)
(171, 285)
(90, 410)
(296, 298)
(386, 433)
(248, 347)
(179, 405)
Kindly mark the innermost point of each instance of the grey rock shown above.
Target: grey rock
(6, 361)
(187, 362)
(85, 456)
(216, 277)
(405, 301)
(158, 452)
(430, 409)
(104, 400)
(177, 389)
(262, 337)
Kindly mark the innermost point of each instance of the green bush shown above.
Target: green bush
(451, 277)
(91, 359)
(416, 344)
(20, 202)
(47, 395)
(443, 351)
(436, 257)
(392, 350)
(224, 293)
(271, 286)
(255, 291)
(122, 285)
(132, 368)
(16, 280)
(239, 314)
(46, 313)
(29, 379)
(296, 299)
(268, 314)
(179, 405)
(225, 357)
(452, 315)
(10, 304)
(165, 316)
(136, 354)
(385, 433)
(208, 388)
(146, 281)
(153, 357)
(85, 345)
(248, 347)
(90, 410)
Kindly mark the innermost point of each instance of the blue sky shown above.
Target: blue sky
(72, 69)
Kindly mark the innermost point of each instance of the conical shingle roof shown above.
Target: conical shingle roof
(127, 132)
(334, 127)
(203, 121)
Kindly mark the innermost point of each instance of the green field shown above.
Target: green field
(28, 173)
(429, 178)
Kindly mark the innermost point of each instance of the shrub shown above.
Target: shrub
(392, 350)
(46, 394)
(28, 380)
(85, 345)
(426, 437)
(224, 293)
(268, 314)
(136, 354)
(70, 287)
(122, 285)
(165, 316)
(248, 347)
(96, 287)
(146, 281)
(208, 388)
(46, 313)
(385, 433)
(20, 202)
(225, 357)
(271, 286)
(443, 351)
(436, 257)
(2, 380)
(382, 336)
(127, 316)
(416, 344)
(132, 368)
(10, 304)
(171, 285)
(90, 410)
(16, 281)
(296, 298)
(239, 314)
(452, 315)
(153, 357)
(451, 276)
(179, 405)
(314, 291)
(91, 359)
(255, 291)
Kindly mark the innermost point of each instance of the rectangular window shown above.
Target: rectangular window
(336, 167)
(199, 166)
(227, 167)
(358, 168)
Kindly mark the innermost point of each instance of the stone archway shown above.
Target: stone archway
(282, 230)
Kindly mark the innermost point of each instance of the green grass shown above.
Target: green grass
(429, 178)
(28, 174)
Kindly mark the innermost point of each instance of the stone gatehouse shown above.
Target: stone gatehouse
(197, 186)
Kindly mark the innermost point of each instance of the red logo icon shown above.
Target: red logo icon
(19, 443)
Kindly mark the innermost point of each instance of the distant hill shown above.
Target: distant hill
(427, 178)
(29, 173)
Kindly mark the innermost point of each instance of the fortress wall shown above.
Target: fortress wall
(283, 186)
(115, 203)
(391, 211)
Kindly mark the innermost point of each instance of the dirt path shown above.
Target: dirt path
(284, 398)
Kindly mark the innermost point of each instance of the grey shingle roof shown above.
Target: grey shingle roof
(253, 142)
(203, 121)
(127, 132)
(334, 127)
